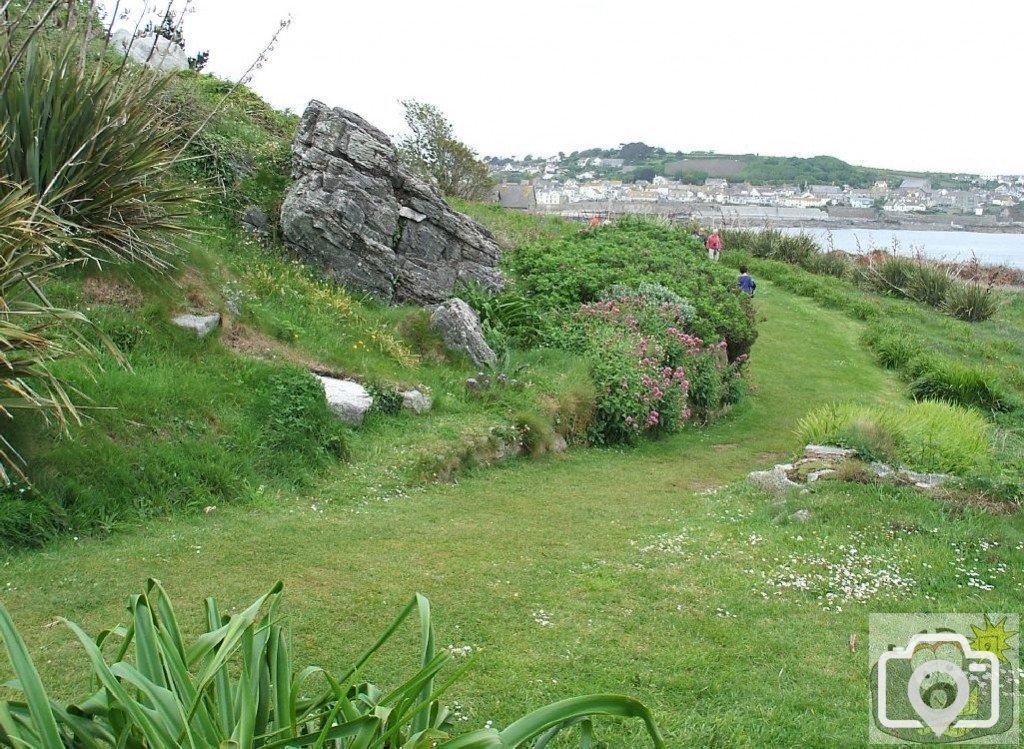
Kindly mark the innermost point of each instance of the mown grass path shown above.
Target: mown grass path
(600, 570)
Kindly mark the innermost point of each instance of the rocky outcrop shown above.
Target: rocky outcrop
(356, 212)
(460, 328)
(167, 56)
(828, 462)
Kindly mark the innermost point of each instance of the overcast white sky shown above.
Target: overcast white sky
(912, 84)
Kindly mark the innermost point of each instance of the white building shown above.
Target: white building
(549, 197)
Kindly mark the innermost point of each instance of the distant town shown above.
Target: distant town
(595, 185)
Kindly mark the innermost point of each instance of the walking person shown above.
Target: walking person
(714, 245)
(747, 284)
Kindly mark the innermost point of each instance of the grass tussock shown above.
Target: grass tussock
(924, 436)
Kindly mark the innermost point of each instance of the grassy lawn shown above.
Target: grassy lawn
(654, 571)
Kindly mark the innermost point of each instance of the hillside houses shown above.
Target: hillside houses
(551, 186)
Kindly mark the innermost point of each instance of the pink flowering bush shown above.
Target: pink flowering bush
(644, 364)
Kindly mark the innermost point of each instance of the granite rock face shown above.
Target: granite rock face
(361, 216)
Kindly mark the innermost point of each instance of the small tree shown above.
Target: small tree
(432, 151)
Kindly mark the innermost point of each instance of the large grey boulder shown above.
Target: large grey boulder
(348, 400)
(460, 327)
(167, 56)
(356, 212)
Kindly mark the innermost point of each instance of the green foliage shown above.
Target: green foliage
(27, 518)
(820, 170)
(650, 375)
(971, 301)
(924, 436)
(581, 267)
(300, 419)
(772, 244)
(835, 263)
(509, 318)
(239, 144)
(106, 183)
(431, 150)
(891, 274)
(239, 685)
(894, 345)
(386, 399)
(34, 333)
(930, 284)
(939, 378)
(655, 294)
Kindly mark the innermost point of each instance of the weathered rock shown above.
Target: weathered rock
(801, 516)
(460, 327)
(416, 401)
(774, 481)
(201, 325)
(828, 452)
(881, 470)
(815, 475)
(924, 480)
(167, 56)
(348, 400)
(355, 211)
(558, 444)
(256, 221)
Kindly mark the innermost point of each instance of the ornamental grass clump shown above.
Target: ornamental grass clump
(86, 135)
(924, 436)
(971, 301)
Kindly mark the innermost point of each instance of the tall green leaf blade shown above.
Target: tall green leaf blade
(32, 686)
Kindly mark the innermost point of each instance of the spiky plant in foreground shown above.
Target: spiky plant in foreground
(237, 685)
(84, 132)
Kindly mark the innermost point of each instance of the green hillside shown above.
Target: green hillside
(578, 514)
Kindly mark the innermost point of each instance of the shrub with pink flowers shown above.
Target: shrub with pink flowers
(652, 375)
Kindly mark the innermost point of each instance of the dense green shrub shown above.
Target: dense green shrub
(106, 183)
(300, 420)
(971, 301)
(509, 318)
(582, 267)
(890, 275)
(772, 244)
(651, 376)
(939, 378)
(925, 436)
(929, 284)
(27, 518)
(836, 264)
(894, 346)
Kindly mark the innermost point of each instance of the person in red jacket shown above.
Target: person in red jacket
(714, 245)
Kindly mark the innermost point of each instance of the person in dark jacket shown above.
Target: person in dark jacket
(747, 284)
